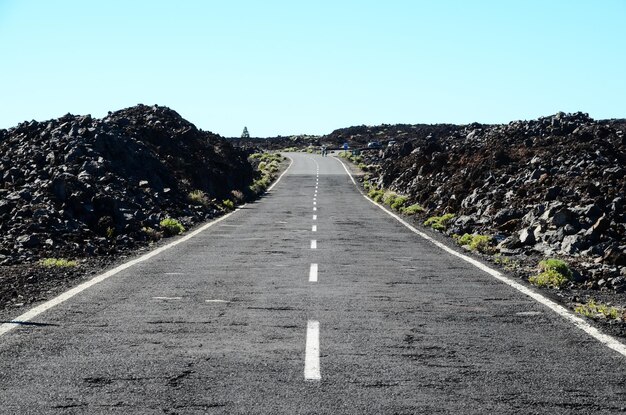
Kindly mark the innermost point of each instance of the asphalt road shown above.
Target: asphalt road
(227, 323)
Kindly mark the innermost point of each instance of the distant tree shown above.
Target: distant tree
(245, 133)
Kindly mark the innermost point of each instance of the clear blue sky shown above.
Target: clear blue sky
(291, 67)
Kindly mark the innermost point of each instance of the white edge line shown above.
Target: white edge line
(605, 339)
(34, 312)
(313, 273)
(312, 351)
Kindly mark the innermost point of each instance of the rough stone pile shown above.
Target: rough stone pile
(551, 186)
(78, 186)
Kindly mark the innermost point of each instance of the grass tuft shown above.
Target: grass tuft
(58, 263)
(171, 227)
(599, 310)
(439, 223)
(198, 197)
(413, 209)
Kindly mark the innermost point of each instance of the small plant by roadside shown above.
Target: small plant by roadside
(171, 227)
(439, 223)
(412, 209)
(228, 204)
(376, 195)
(198, 197)
(110, 232)
(399, 203)
(480, 243)
(389, 198)
(260, 185)
(151, 233)
(558, 265)
(599, 310)
(268, 167)
(506, 262)
(555, 274)
(58, 263)
(238, 196)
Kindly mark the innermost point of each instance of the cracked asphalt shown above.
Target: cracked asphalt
(218, 325)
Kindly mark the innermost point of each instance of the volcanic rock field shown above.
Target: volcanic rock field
(97, 190)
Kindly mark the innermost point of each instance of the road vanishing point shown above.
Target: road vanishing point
(312, 300)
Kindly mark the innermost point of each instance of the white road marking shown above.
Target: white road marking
(216, 301)
(312, 351)
(174, 273)
(315, 203)
(313, 273)
(314, 199)
(167, 298)
(609, 341)
(313, 244)
(314, 208)
(529, 313)
(314, 217)
(314, 228)
(41, 308)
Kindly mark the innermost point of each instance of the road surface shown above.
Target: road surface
(309, 301)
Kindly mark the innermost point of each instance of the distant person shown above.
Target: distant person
(324, 151)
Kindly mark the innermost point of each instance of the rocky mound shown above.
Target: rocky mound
(78, 186)
(551, 186)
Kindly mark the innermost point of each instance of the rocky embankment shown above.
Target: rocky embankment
(551, 187)
(79, 187)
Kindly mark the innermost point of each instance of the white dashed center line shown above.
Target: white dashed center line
(314, 217)
(313, 273)
(167, 298)
(313, 244)
(312, 355)
(314, 228)
(314, 209)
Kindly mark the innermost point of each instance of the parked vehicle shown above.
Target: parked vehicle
(374, 144)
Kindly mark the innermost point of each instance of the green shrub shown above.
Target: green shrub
(466, 239)
(363, 166)
(272, 166)
(198, 197)
(110, 232)
(389, 198)
(171, 227)
(399, 202)
(228, 204)
(376, 195)
(550, 278)
(595, 310)
(557, 265)
(58, 263)
(439, 223)
(367, 185)
(480, 243)
(413, 209)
